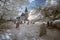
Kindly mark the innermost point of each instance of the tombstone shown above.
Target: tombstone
(42, 29)
(18, 22)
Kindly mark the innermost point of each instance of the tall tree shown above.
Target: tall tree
(52, 9)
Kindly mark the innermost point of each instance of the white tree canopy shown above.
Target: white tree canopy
(9, 8)
(52, 3)
(35, 15)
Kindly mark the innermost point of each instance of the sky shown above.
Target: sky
(31, 1)
(33, 4)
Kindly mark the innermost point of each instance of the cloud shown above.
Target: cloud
(31, 1)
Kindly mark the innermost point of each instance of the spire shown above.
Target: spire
(26, 9)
